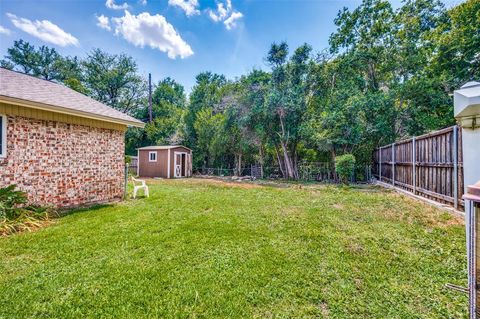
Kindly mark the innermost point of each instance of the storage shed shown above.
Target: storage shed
(167, 161)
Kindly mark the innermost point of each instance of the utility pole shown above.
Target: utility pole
(150, 117)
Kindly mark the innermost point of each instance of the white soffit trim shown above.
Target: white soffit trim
(4, 122)
(138, 163)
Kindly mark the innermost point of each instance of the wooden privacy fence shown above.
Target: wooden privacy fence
(429, 165)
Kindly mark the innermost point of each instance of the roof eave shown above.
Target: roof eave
(153, 147)
(64, 110)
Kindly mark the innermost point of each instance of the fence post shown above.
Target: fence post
(455, 166)
(414, 160)
(393, 164)
(380, 164)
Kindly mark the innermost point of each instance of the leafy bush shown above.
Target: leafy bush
(345, 166)
(16, 215)
(128, 159)
(11, 202)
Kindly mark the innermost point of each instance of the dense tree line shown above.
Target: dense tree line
(387, 74)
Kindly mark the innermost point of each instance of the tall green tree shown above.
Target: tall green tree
(456, 58)
(250, 115)
(205, 94)
(367, 34)
(113, 79)
(168, 109)
(211, 139)
(45, 63)
(286, 103)
(22, 55)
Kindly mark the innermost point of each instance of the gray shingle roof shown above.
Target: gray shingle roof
(58, 97)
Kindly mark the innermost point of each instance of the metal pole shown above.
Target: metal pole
(414, 160)
(393, 164)
(455, 166)
(150, 116)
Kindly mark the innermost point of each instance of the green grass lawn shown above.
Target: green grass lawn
(207, 249)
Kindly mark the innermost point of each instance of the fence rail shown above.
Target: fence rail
(429, 165)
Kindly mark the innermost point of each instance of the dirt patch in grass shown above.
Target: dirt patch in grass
(324, 310)
(338, 206)
(206, 182)
(293, 211)
(395, 206)
(354, 247)
(222, 183)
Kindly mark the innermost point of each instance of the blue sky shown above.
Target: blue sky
(175, 38)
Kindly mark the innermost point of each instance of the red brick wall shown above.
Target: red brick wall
(63, 164)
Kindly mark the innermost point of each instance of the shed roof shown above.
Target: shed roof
(26, 90)
(161, 147)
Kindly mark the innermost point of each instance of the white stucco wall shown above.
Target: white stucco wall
(471, 156)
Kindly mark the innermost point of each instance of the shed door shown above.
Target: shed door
(178, 165)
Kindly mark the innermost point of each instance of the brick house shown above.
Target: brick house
(61, 147)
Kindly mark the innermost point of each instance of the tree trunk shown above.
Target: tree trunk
(334, 154)
(287, 160)
(295, 161)
(280, 163)
(238, 159)
(261, 159)
(289, 170)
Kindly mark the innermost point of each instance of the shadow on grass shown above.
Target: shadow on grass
(81, 210)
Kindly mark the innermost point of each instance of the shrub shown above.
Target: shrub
(11, 202)
(345, 166)
(16, 215)
(128, 159)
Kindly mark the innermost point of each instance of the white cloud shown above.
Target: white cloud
(154, 31)
(112, 5)
(44, 30)
(5, 31)
(226, 14)
(103, 22)
(189, 6)
(222, 12)
(143, 2)
(230, 22)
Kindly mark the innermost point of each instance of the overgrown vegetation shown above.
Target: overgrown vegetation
(345, 167)
(240, 250)
(387, 74)
(16, 215)
(10, 201)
